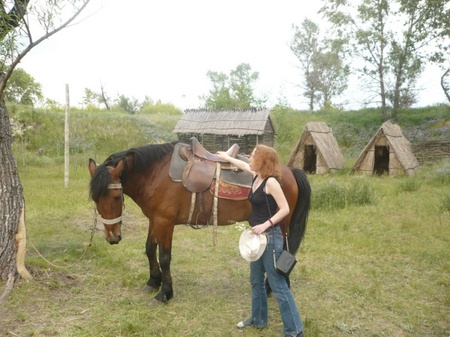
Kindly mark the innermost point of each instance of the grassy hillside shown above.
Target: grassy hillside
(374, 261)
(102, 133)
(354, 129)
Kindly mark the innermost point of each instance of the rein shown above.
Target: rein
(87, 245)
(118, 219)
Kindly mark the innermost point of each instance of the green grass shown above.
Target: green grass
(378, 269)
(373, 268)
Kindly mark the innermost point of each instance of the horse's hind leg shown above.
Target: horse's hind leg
(154, 282)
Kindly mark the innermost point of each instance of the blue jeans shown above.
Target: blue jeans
(286, 303)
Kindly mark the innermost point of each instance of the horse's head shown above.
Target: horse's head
(106, 191)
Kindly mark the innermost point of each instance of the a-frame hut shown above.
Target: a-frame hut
(388, 152)
(217, 130)
(317, 151)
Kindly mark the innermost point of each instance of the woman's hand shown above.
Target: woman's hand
(223, 155)
(238, 163)
(261, 228)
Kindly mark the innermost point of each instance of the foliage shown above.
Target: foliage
(127, 104)
(98, 134)
(361, 232)
(439, 176)
(444, 204)
(355, 262)
(22, 89)
(409, 184)
(25, 25)
(322, 64)
(235, 91)
(392, 57)
(353, 129)
(149, 107)
(332, 194)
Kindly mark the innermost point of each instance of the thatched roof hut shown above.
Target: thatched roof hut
(317, 151)
(218, 130)
(388, 152)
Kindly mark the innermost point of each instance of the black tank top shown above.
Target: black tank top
(260, 211)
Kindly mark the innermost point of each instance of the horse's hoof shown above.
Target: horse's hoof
(148, 289)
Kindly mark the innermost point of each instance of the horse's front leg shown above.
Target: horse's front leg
(154, 282)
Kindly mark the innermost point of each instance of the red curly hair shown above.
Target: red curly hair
(268, 160)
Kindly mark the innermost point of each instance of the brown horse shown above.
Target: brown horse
(143, 174)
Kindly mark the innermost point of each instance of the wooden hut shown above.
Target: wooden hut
(317, 151)
(388, 152)
(218, 130)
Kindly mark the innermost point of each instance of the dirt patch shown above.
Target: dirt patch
(21, 318)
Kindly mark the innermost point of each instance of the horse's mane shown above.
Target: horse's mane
(144, 158)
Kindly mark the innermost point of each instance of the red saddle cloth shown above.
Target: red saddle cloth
(230, 191)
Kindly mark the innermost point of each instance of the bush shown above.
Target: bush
(333, 196)
(409, 184)
(440, 175)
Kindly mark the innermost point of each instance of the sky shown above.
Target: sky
(164, 49)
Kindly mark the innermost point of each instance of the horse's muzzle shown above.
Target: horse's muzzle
(115, 240)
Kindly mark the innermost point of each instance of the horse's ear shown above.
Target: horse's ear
(92, 166)
(119, 168)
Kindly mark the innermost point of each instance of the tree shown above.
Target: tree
(241, 85)
(219, 96)
(393, 39)
(235, 91)
(330, 75)
(129, 105)
(325, 74)
(22, 89)
(305, 45)
(93, 98)
(18, 24)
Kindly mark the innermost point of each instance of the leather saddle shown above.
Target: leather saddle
(196, 167)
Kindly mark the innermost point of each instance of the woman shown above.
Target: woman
(269, 207)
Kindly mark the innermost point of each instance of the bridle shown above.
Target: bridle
(118, 219)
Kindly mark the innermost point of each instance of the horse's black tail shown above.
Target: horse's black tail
(297, 226)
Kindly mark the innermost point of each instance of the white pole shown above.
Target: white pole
(66, 140)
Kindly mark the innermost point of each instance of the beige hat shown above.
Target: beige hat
(251, 245)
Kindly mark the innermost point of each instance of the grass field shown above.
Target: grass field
(374, 262)
(378, 269)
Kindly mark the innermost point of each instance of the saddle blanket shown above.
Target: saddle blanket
(230, 191)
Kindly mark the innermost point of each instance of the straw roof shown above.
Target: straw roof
(326, 145)
(224, 122)
(398, 143)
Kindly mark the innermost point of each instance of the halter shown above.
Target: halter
(118, 219)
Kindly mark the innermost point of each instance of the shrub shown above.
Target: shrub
(440, 176)
(333, 196)
(444, 203)
(410, 184)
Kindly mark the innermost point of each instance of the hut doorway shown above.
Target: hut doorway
(381, 164)
(310, 159)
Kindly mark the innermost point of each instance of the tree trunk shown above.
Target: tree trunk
(384, 110)
(11, 199)
(445, 87)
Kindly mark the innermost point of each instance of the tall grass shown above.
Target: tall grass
(335, 194)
